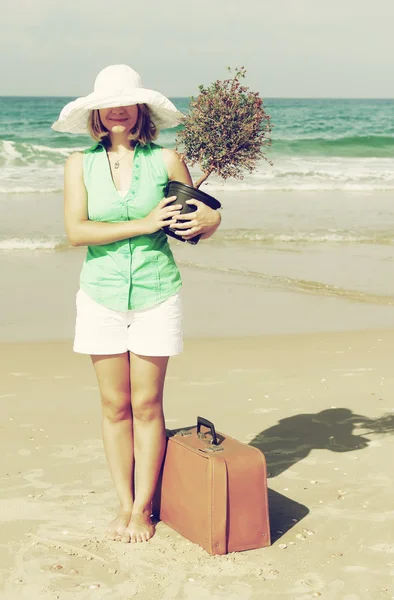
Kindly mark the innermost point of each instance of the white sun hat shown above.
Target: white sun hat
(116, 85)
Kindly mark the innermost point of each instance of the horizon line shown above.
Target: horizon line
(189, 96)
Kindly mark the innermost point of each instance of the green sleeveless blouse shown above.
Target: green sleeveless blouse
(138, 272)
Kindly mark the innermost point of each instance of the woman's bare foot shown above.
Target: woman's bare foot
(115, 530)
(139, 529)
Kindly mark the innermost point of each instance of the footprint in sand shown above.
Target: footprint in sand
(35, 478)
(310, 581)
(45, 564)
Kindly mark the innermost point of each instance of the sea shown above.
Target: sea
(316, 145)
(319, 220)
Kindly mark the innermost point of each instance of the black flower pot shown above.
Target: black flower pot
(185, 192)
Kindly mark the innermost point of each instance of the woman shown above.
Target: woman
(129, 312)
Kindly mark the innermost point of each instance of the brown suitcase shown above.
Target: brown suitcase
(213, 491)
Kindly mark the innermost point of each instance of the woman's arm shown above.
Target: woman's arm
(83, 232)
(204, 220)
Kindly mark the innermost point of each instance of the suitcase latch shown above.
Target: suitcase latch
(184, 432)
(211, 449)
(206, 437)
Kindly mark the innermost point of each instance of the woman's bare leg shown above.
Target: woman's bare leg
(113, 375)
(147, 374)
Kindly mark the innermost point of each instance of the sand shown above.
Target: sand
(37, 299)
(319, 405)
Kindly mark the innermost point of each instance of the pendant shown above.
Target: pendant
(116, 164)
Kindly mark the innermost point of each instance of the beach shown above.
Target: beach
(289, 342)
(303, 374)
(312, 402)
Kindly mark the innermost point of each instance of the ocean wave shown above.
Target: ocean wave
(60, 151)
(313, 173)
(26, 189)
(34, 244)
(258, 237)
(29, 168)
(52, 182)
(380, 146)
(244, 237)
(301, 186)
(16, 154)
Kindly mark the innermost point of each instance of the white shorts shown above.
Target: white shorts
(155, 331)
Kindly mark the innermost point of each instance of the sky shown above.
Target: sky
(290, 48)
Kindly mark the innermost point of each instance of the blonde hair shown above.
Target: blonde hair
(144, 131)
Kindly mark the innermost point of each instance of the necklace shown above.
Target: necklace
(116, 163)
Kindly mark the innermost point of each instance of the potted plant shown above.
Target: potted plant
(225, 132)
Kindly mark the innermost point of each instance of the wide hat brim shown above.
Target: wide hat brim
(74, 116)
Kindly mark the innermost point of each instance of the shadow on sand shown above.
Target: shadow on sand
(293, 438)
(335, 429)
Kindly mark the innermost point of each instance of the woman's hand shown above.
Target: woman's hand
(161, 216)
(203, 221)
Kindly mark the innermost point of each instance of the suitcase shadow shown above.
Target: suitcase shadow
(284, 514)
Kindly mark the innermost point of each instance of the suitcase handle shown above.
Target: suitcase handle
(204, 422)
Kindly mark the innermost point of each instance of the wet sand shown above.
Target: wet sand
(37, 299)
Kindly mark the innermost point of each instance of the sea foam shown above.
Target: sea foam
(33, 244)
